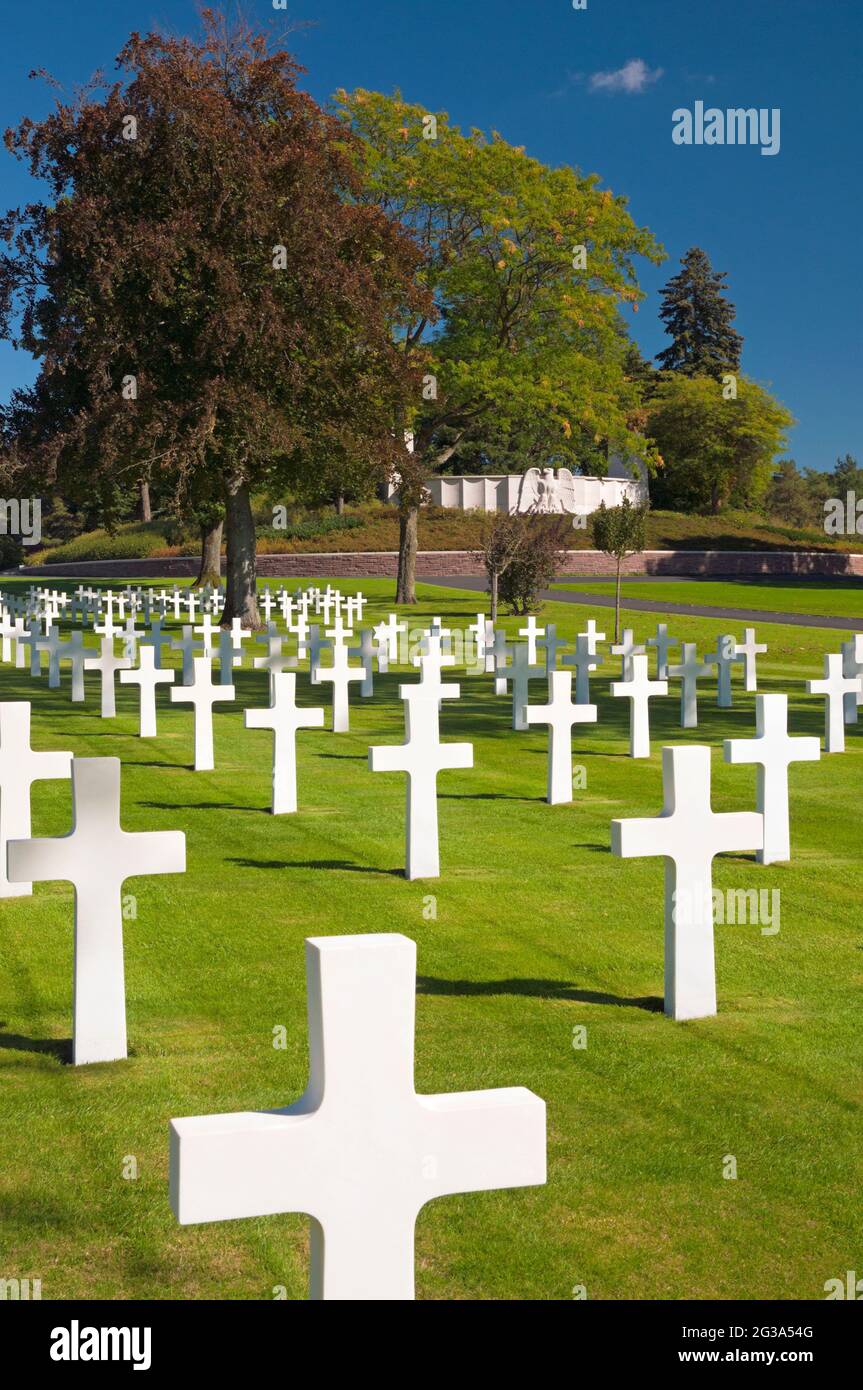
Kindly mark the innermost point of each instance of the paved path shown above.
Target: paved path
(742, 615)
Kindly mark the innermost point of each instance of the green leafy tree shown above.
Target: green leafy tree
(528, 268)
(699, 320)
(789, 497)
(618, 532)
(716, 449)
(209, 298)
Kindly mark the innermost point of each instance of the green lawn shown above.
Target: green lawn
(537, 930)
(828, 598)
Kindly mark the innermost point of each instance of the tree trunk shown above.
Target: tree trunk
(211, 556)
(494, 583)
(146, 509)
(340, 504)
(406, 584)
(241, 576)
(617, 605)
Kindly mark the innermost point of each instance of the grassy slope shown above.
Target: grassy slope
(453, 530)
(538, 929)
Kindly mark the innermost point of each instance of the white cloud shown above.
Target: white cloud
(634, 76)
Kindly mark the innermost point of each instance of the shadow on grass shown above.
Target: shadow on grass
(198, 806)
(534, 989)
(344, 864)
(61, 1048)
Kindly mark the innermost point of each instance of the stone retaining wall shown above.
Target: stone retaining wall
(441, 563)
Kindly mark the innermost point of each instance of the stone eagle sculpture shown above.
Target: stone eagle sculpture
(543, 491)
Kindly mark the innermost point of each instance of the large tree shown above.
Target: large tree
(528, 267)
(699, 319)
(717, 448)
(208, 296)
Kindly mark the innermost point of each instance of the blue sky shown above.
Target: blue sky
(595, 88)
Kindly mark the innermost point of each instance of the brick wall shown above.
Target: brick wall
(432, 563)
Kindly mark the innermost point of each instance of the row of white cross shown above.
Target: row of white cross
(361, 1152)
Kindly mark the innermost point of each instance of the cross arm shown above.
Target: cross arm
(224, 1167)
(478, 1140)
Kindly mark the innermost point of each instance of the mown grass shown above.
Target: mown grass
(819, 597)
(537, 930)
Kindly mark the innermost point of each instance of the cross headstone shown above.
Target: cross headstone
(202, 694)
(585, 660)
(284, 717)
(190, 650)
(502, 658)
(131, 635)
(97, 857)
(521, 673)
(531, 632)
(369, 651)
(157, 638)
(422, 756)
(275, 660)
(207, 630)
(852, 665)
(316, 646)
(75, 653)
(626, 649)
(688, 834)
(835, 686)
(340, 675)
(361, 1152)
(772, 751)
(230, 656)
(639, 690)
(593, 636)
(723, 659)
(560, 714)
(20, 767)
(749, 650)
(53, 644)
(662, 642)
(147, 677)
(689, 671)
(551, 644)
(107, 663)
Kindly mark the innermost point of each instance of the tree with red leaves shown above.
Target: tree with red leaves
(209, 300)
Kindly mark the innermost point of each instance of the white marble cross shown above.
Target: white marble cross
(20, 767)
(190, 650)
(431, 660)
(207, 630)
(276, 660)
(369, 651)
(361, 1152)
(585, 660)
(662, 642)
(723, 659)
(835, 686)
(593, 636)
(75, 653)
(521, 673)
(32, 638)
(689, 671)
(131, 635)
(560, 714)
(230, 655)
(626, 649)
(339, 675)
(639, 689)
(772, 751)
(551, 644)
(97, 857)
(501, 656)
(107, 663)
(389, 631)
(852, 665)
(316, 646)
(422, 756)
(688, 834)
(147, 677)
(53, 644)
(202, 694)
(284, 717)
(749, 650)
(531, 631)
(157, 638)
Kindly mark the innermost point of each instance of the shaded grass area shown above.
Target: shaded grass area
(532, 930)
